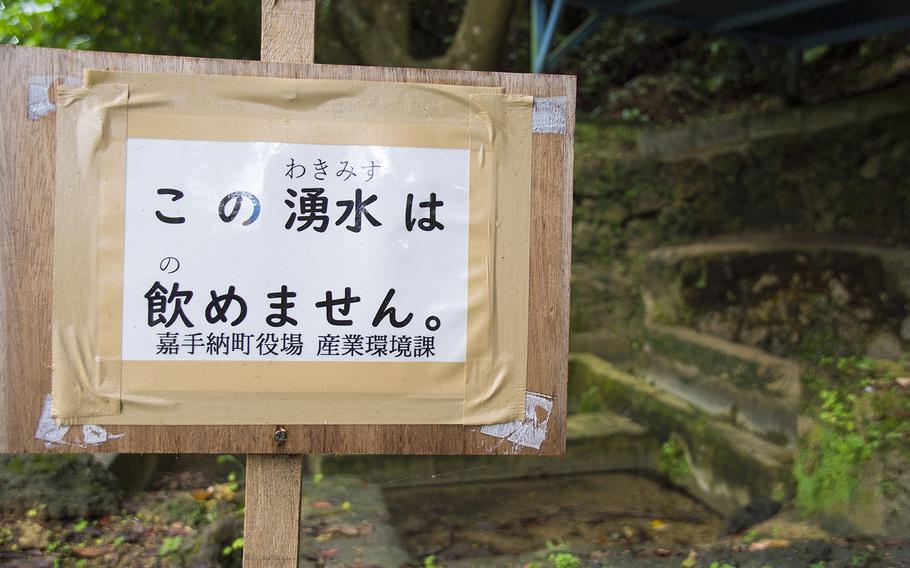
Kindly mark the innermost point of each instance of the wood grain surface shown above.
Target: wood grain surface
(272, 504)
(27, 175)
(287, 30)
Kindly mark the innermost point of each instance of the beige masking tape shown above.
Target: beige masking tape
(92, 383)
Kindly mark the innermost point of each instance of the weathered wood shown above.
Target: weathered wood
(287, 31)
(271, 526)
(272, 517)
(27, 175)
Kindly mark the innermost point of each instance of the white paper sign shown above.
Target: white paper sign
(294, 252)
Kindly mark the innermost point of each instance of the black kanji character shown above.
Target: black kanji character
(377, 345)
(292, 344)
(158, 297)
(345, 306)
(359, 207)
(386, 311)
(241, 342)
(424, 346)
(426, 223)
(267, 344)
(238, 197)
(312, 209)
(401, 346)
(217, 344)
(192, 341)
(352, 344)
(167, 343)
(217, 309)
(328, 345)
(282, 305)
(175, 194)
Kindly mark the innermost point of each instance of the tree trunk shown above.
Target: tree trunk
(369, 32)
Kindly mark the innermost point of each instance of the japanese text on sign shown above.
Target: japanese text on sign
(273, 251)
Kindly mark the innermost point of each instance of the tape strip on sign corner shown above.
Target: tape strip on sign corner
(550, 115)
(530, 432)
(244, 250)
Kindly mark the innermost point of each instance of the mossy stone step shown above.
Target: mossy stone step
(725, 466)
(746, 386)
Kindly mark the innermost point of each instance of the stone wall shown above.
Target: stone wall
(835, 172)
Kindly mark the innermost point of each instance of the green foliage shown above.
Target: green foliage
(751, 536)
(564, 560)
(235, 546)
(231, 461)
(813, 54)
(591, 400)
(559, 555)
(430, 562)
(218, 28)
(858, 415)
(827, 470)
(170, 545)
(672, 461)
(80, 526)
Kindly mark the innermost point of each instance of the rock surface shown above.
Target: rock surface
(57, 486)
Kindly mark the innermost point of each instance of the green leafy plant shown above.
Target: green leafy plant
(170, 545)
(559, 555)
(564, 560)
(672, 461)
(750, 536)
(230, 549)
(430, 562)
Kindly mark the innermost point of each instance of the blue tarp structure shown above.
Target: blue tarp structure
(794, 24)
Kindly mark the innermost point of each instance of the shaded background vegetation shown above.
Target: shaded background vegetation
(846, 181)
(629, 70)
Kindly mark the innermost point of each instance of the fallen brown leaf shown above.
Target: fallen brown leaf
(328, 553)
(323, 505)
(200, 494)
(91, 551)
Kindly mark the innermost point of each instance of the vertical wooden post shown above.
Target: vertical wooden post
(287, 31)
(271, 526)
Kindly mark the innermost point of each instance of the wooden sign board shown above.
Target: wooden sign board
(30, 178)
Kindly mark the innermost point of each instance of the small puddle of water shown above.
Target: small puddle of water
(512, 517)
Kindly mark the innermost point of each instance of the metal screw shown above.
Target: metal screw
(281, 436)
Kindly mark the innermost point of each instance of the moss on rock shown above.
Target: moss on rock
(57, 486)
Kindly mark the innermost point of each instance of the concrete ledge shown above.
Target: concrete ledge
(595, 442)
(735, 134)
